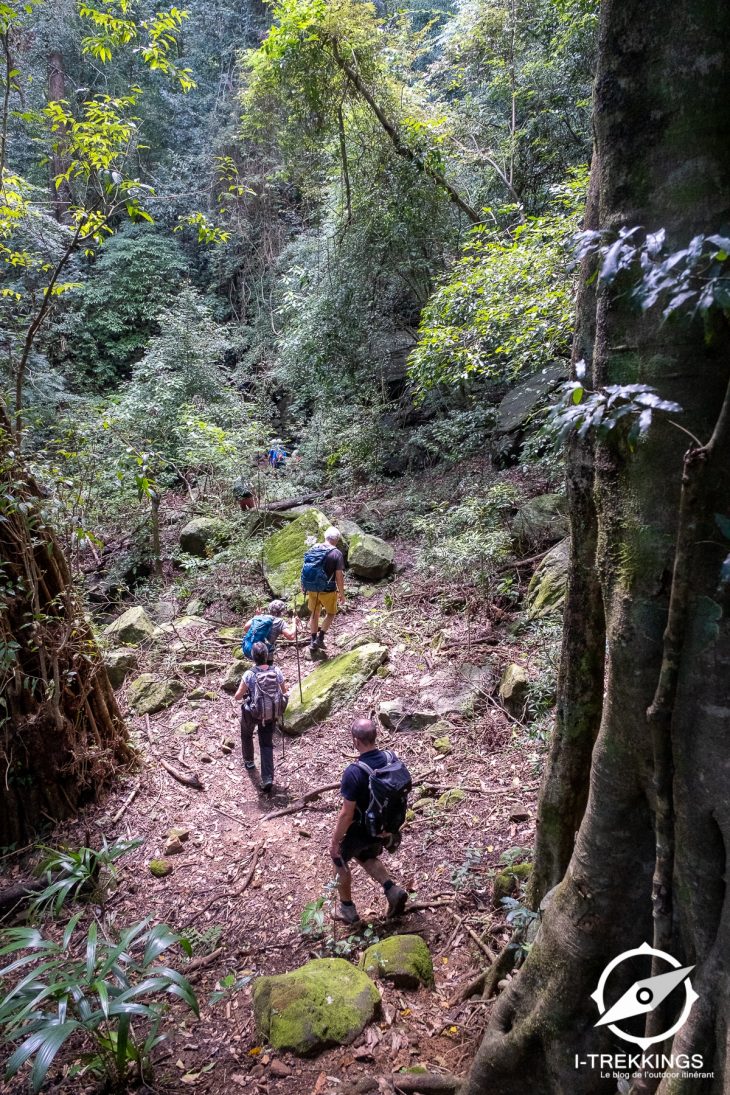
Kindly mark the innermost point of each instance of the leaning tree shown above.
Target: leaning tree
(634, 818)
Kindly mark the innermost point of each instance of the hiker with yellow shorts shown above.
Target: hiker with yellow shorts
(323, 583)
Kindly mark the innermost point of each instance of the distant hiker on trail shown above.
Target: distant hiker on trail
(277, 454)
(244, 495)
(374, 797)
(267, 628)
(323, 582)
(266, 696)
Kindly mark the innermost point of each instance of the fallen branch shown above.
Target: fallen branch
(240, 820)
(522, 562)
(247, 880)
(181, 777)
(301, 802)
(418, 905)
(204, 960)
(289, 503)
(127, 802)
(427, 1083)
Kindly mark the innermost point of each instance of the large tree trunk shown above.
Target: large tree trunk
(663, 143)
(61, 734)
(59, 158)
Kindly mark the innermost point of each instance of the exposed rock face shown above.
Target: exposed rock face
(201, 535)
(475, 680)
(324, 1003)
(369, 556)
(148, 695)
(396, 715)
(131, 628)
(283, 552)
(119, 664)
(524, 398)
(405, 960)
(513, 689)
(521, 403)
(540, 522)
(546, 591)
(331, 685)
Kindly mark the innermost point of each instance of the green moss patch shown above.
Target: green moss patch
(324, 1003)
(283, 552)
(405, 960)
(331, 685)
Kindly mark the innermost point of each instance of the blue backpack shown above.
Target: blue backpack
(314, 576)
(258, 632)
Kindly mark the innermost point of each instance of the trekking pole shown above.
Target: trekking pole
(299, 664)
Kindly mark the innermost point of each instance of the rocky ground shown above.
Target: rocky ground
(242, 870)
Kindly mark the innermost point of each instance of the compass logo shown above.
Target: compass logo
(644, 996)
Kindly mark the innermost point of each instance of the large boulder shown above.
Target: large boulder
(119, 664)
(232, 677)
(283, 552)
(540, 522)
(546, 591)
(331, 685)
(131, 628)
(147, 695)
(399, 715)
(369, 556)
(202, 535)
(475, 682)
(405, 960)
(324, 1003)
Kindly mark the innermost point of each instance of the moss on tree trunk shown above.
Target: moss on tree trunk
(663, 143)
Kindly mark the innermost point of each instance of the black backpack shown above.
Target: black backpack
(389, 787)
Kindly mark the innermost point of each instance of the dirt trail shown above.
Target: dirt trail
(446, 855)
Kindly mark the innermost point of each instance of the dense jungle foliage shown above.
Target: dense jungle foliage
(345, 224)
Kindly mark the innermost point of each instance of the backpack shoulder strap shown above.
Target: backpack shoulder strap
(366, 767)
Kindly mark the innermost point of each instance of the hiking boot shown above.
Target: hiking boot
(249, 766)
(396, 898)
(319, 640)
(347, 913)
(267, 788)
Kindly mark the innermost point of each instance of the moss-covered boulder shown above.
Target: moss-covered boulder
(507, 881)
(513, 689)
(179, 626)
(198, 666)
(546, 591)
(540, 522)
(147, 694)
(131, 628)
(449, 799)
(331, 685)
(232, 677)
(283, 552)
(369, 556)
(119, 664)
(405, 960)
(326, 1002)
(203, 535)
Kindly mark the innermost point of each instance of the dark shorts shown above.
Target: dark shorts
(359, 845)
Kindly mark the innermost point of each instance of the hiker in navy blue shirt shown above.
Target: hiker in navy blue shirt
(350, 839)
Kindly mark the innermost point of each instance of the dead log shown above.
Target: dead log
(290, 503)
(426, 1083)
(19, 894)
